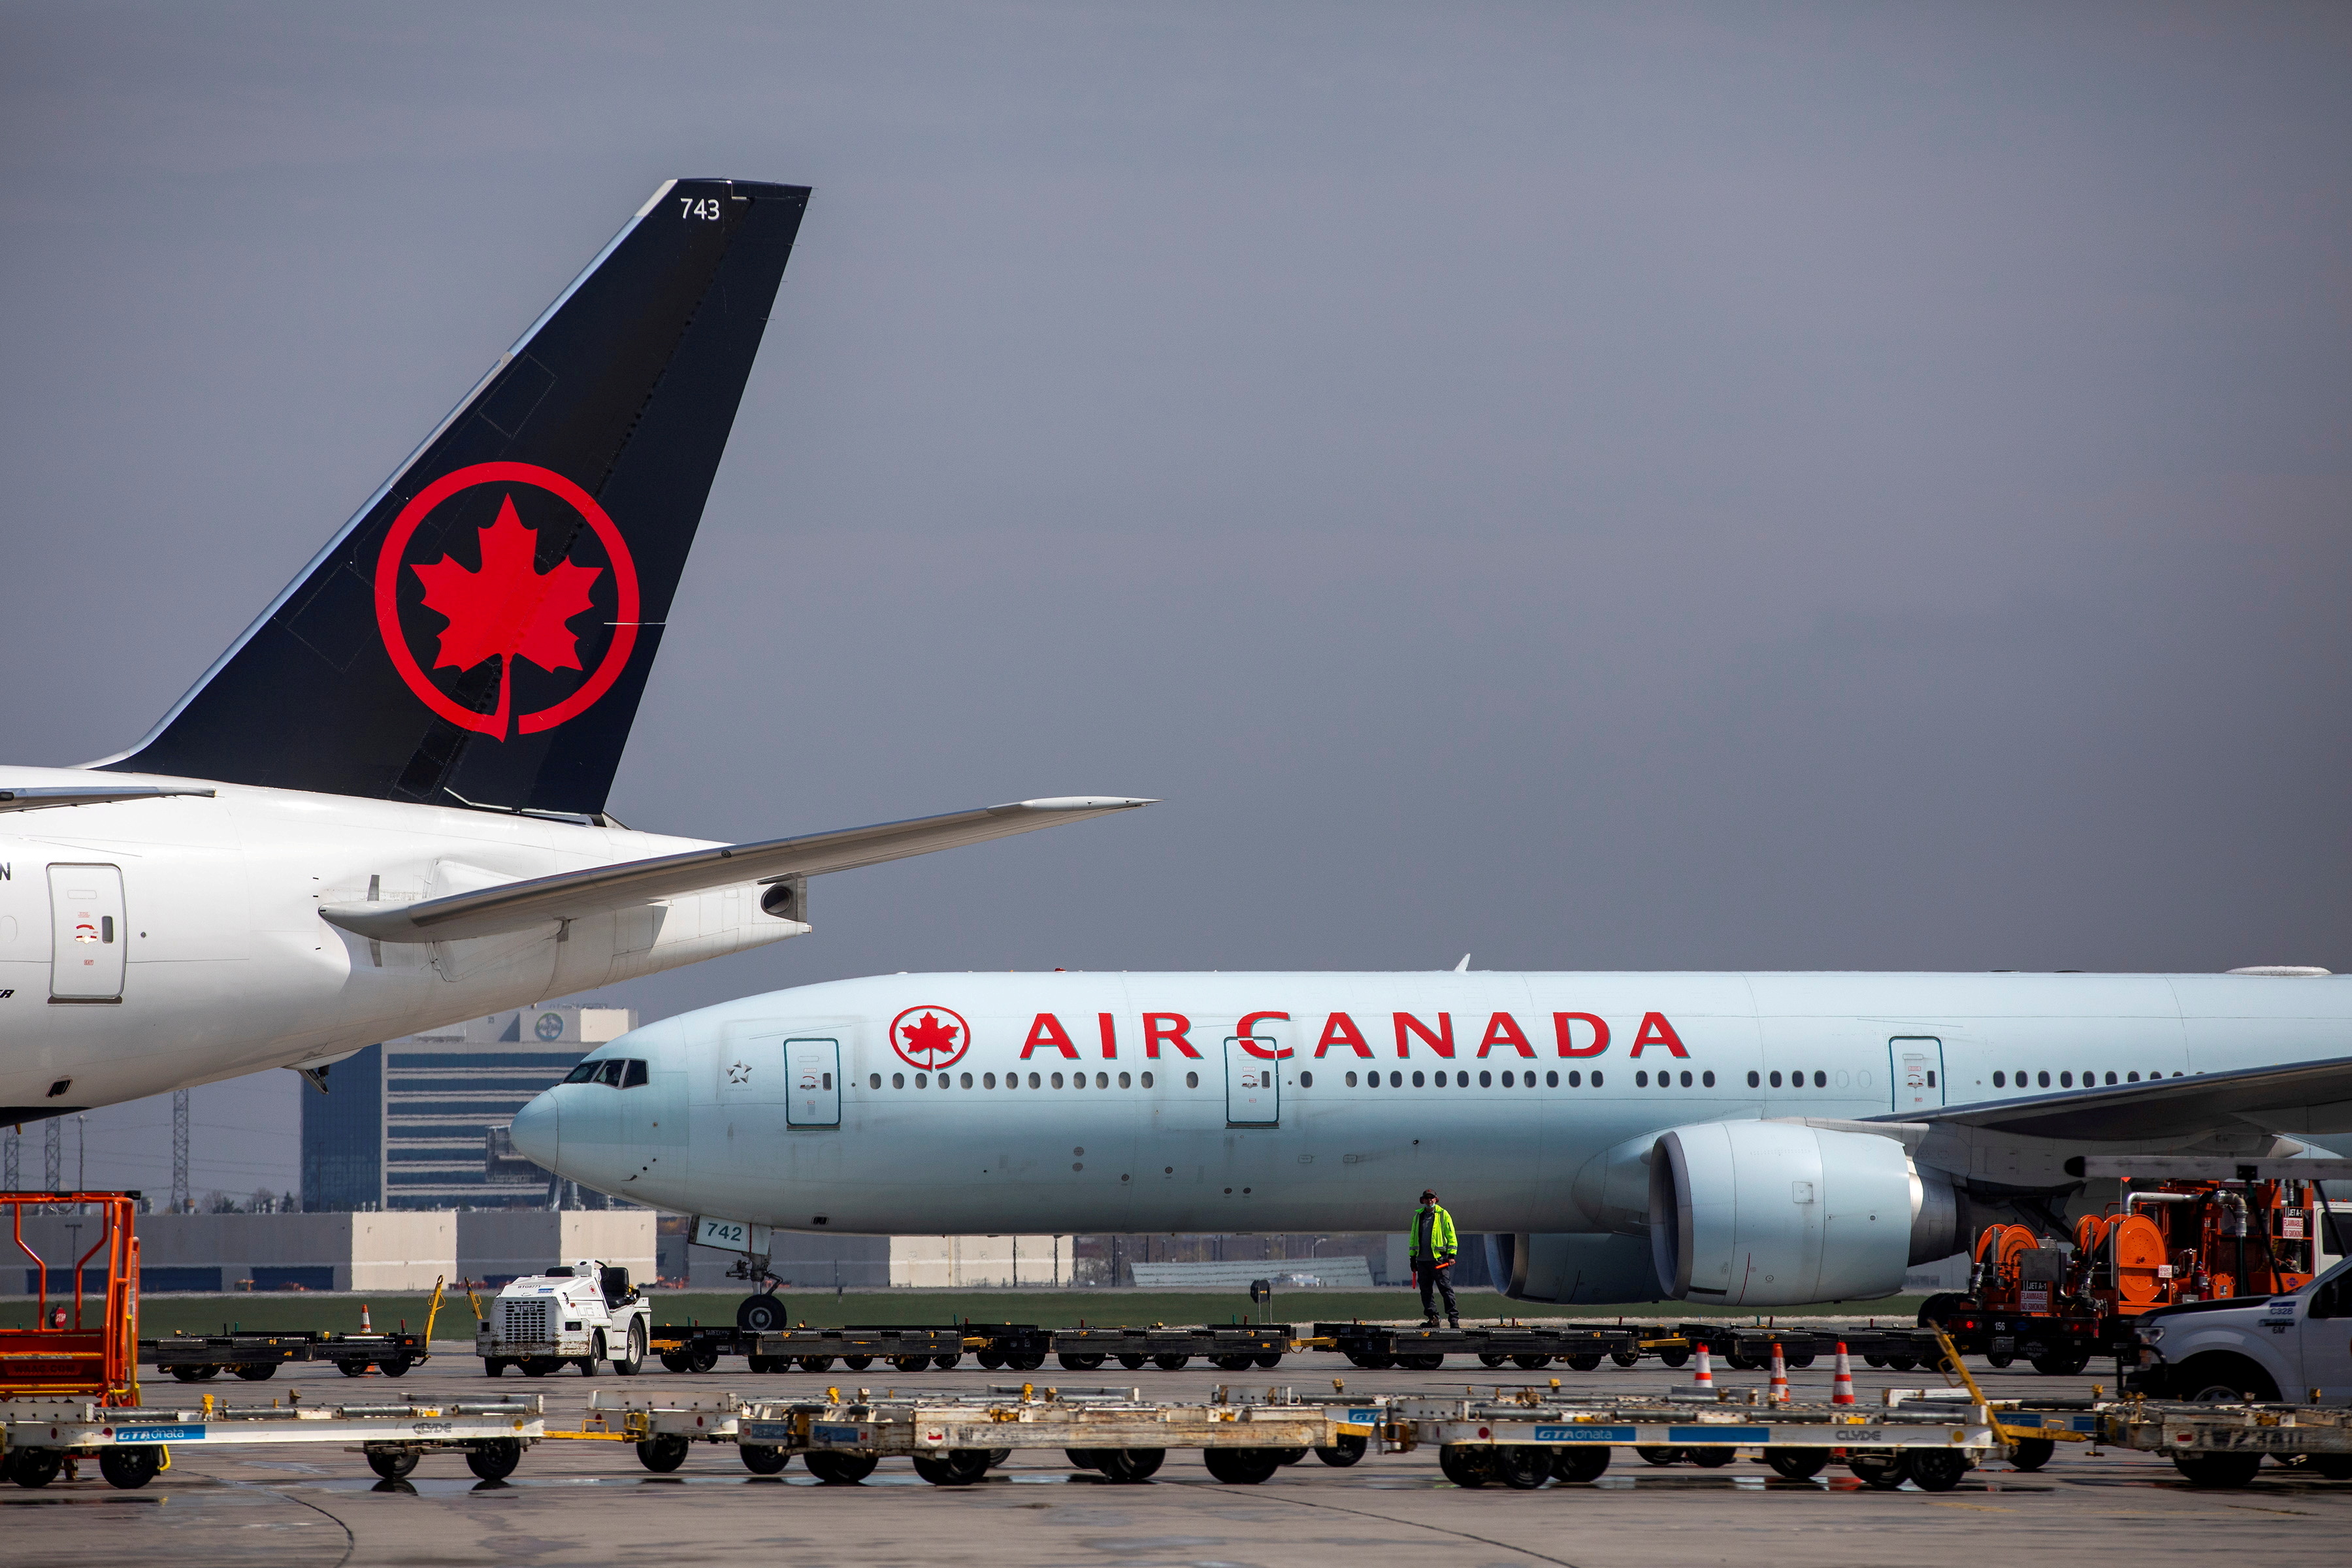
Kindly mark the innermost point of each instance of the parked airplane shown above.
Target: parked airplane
(383, 808)
(1752, 1140)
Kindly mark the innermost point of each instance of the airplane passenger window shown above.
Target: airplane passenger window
(1575, 1079)
(1352, 1080)
(1057, 1081)
(1776, 1077)
(1032, 1081)
(967, 1080)
(1102, 1080)
(897, 1080)
(1686, 1083)
(2045, 1080)
(874, 1081)
(1998, 1082)
(988, 1080)
(1754, 1080)
(1707, 1080)
(1485, 1080)
(1192, 1080)
(922, 1080)
(2066, 1081)
(1596, 1077)
(2111, 1078)
(1147, 1080)
(1306, 1080)
(2131, 1078)
(633, 1077)
(1122, 1080)
(1821, 1079)
(1507, 1079)
(1416, 1080)
(1641, 1080)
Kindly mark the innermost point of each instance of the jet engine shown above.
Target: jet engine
(1770, 1213)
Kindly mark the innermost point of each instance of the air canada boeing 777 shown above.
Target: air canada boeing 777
(383, 807)
(1747, 1139)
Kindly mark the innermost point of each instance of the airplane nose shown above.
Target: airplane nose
(536, 1132)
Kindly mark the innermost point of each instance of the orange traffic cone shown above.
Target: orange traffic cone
(1778, 1393)
(1705, 1381)
(1841, 1385)
(365, 1327)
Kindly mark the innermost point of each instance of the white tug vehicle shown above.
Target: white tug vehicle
(577, 1314)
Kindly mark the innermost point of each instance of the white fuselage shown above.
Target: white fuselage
(151, 944)
(1149, 1102)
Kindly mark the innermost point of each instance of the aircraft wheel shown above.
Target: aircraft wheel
(762, 1314)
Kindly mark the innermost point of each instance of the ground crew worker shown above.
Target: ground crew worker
(1434, 1247)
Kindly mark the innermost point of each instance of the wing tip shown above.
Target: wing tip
(1076, 802)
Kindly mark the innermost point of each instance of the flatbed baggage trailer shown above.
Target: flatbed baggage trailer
(256, 1356)
(1523, 1441)
(954, 1441)
(134, 1444)
(665, 1430)
(2224, 1444)
(1379, 1346)
(1231, 1348)
(697, 1348)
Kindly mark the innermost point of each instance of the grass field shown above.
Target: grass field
(163, 1315)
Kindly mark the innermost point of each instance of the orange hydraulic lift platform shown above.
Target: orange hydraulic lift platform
(89, 1349)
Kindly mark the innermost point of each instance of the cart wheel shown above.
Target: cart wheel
(1345, 1450)
(1997, 1359)
(1522, 1466)
(1269, 1358)
(1129, 1464)
(1712, 1459)
(1242, 1466)
(1797, 1356)
(1939, 1470)
(188, 1374)
(2061, 1363)
(1428, 1360)
(1079, 1361)
(1530, 1362)
(130, 1466)
(632, 1351)
(1675, 1355)
(1584, 1361)
(816, 1363)
(910, 1362)
(1872, 1358)
(496, 1459)
(2331, 1467)
(662, 1454)
(539, 1366)
(1738, 1362)
(1492, 1358)
(1657, 1454)
(839, 1469)
(353, 1368)
(857, 1362)
(1885, 1468)
(397, 1366)
(953, 1468)
(673, 1361)
(1133, 1362)
(2217, 1470)
(764, 1458)
(997, 1457)
(36, 1467)
(261, 1374)
(1798, 1464)
(1377, 1361)
(1464, 1464)
(1626, 1358)
(703, 1359)
(1902, 1363)
(1580, 1464)
(1289, 1456)
(1024, 1361)
(2031, 1452)
(990, 1361)
(494, 1366)
(946, 1363)
(1169, 1362)
(1231, 1363)
(391, 1464)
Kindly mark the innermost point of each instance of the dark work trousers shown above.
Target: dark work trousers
(1434, 1282)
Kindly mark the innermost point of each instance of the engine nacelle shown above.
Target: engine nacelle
(1588, 1271)
(1775, 1213)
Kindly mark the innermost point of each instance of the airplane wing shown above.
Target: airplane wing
(519, 906)
(34, 797)
(2312, 1098)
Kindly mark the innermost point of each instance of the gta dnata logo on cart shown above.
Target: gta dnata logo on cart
(930, 1037)
(507, 598)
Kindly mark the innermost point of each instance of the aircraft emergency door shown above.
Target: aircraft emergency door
(1254, 1082)
(813, 1070)
(87, 934)
(1916, 1067)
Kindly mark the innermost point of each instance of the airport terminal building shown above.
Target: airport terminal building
(420, 1122)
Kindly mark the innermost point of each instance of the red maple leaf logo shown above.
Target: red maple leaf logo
(929, 1038)
(508, 608)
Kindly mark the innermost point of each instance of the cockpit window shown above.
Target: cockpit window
(610, 1071)
(585, 1072)
(635, 1077)
(616, 1072)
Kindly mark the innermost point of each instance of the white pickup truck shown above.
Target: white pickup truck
(2296, 1347)
(579, 1313)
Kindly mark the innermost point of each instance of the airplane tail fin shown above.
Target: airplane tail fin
(481, 631)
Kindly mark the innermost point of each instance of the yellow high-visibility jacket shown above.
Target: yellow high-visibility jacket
(1433, 1234)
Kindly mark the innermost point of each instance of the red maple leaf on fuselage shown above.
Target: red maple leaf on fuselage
(930, 1037)
(508, 608)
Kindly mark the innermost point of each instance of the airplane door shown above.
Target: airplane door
(88, 937)
(1253, 1083)
(814, 1069)
(1916, 1063)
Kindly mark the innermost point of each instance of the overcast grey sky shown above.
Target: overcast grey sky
(1647, 485)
